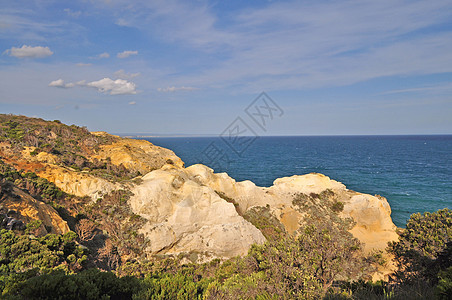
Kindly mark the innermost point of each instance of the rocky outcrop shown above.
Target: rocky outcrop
(185, 212)
(77, 183)
(185, 217)
(136, 155)
(70, 181)
(372, 214)
(28, 209)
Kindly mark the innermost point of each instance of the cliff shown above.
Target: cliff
(191, 211)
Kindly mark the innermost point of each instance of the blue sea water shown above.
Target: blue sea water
(413, 172)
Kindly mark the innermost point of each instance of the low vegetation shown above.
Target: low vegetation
(319, 263)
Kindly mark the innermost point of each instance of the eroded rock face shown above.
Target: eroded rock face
(178, 202)
(374, 226)
(184, 216)
(77, 183)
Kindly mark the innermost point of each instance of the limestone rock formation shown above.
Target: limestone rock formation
(183, 206)
(184, 216)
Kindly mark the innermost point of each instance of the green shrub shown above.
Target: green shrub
(421, 244)
(444, 287)
(89, 284)
(338, 207)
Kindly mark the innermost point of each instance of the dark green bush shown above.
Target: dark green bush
(422, 250)
(89, 284)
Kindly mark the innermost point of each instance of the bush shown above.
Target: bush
(177, 286)
(89, 284)
(23, 256)
(422, 250)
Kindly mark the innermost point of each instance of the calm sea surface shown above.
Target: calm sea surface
(413, 172)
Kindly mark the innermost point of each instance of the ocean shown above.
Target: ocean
(413, 172)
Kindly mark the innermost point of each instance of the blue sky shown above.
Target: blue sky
(334, 67)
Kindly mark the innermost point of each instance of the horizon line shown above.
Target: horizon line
(181, 135)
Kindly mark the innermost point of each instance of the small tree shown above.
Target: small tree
(307, 265)
(85, 230)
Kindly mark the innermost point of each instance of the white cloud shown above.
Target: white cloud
(298, 45)
(105, 85)
(113, 87)
(126, 54)
(132, 103)
(59, 83)
(189, 21)
(29, 51)
(172, 89)
(121, 74)
(104, 55)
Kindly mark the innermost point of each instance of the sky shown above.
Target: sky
(196, 67)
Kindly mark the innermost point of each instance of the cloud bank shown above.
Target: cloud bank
(105, 85)
(29, 52)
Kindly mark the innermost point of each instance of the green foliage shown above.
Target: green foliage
(301, 267)
(177, 286)
(89, 284)
(421, 244)
(115, 217)
(23, 256)
(37, 187)
(428, 234)
(444, 287)
(33, 226)
(263, 220)
(13, 131)
(337, 207)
